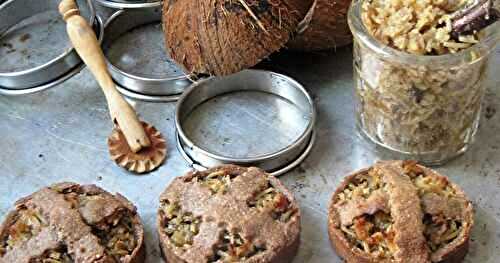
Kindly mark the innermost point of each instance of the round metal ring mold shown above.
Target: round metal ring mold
(17, 92)
(123, 4)
(14, 11)
(98, 28)
(276, 163)
(147, 98)
(277, 172)
(135, 86)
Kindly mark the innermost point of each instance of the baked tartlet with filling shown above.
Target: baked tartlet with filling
(67, 222)
(228, 214)
(399, 211)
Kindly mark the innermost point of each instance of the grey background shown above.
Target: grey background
(60, 135)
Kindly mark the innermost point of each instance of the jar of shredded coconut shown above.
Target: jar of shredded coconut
(419, 84)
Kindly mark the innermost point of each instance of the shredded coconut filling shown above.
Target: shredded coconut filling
(421, 27)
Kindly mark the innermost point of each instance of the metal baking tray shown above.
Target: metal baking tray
(257, 105)
(134, 47)
(34, 30)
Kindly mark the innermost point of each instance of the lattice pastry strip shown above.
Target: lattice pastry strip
(228, 214)
(399, 211)
(71, 223)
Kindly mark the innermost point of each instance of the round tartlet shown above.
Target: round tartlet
(228, 214)
(399, 211)
(68, 222)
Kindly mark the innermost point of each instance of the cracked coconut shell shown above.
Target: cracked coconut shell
(327, 29)
(221, 37)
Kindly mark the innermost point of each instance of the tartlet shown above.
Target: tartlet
(68, 222)
(228, 214)
(399, 211)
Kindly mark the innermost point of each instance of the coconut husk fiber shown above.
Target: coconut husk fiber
(221, 37)
(326, 29)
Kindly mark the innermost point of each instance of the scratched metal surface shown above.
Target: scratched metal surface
(60, 135)
(37, 41)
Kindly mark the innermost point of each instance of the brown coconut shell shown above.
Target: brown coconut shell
(327, 28)
(221, 37)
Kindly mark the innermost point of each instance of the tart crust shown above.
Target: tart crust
(67, 222)
(237, 215)
(405, 188)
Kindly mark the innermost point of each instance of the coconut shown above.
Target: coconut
(326, 28)
(221, 37)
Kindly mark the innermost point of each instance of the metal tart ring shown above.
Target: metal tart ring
(17, 92)
(147, 98)
(98, 27)
(122, 4)
(276, 163)
(43, 76)
(139, 87)
(197, 166)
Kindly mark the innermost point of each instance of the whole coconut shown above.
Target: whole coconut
(221, 37)
(326, 29)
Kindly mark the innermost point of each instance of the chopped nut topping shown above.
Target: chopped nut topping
(373, 231)
(73, 199)
(227, 214)
(362, 186)
(440, 231)
(64, 188)
(28, 224)
(373, 235)
(217, 182)
(54, 256)
(428, 184)
(418, 109)
(418, 27)
(270, 198)
(119, 237)
(110, 231)
(234, 248)
(179, 226)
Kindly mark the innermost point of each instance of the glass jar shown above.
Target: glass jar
(425, 108)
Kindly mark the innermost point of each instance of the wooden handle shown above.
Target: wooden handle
(85, 43)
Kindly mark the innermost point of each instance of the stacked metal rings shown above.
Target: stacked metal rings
(154, 89)
(53, 72)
